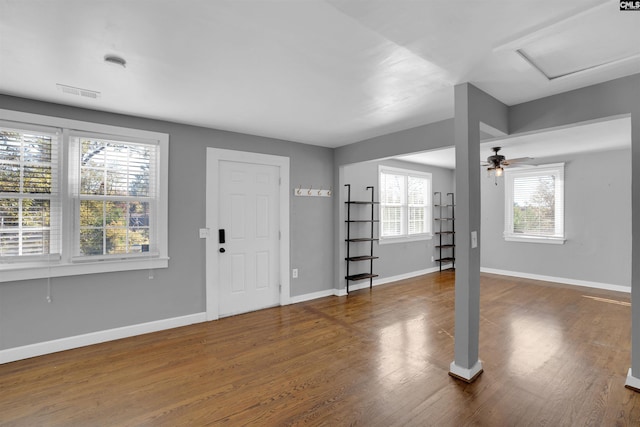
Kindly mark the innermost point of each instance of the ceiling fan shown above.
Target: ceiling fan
(497, 162)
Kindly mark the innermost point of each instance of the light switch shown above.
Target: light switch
(474, 239)
(204, 233)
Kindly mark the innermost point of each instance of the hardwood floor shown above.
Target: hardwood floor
(552, 355)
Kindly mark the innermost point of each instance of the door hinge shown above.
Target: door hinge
(279, 235)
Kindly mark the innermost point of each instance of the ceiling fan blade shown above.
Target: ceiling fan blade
(521, 166)
(518, 160)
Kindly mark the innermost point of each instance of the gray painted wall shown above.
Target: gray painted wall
(84, 304)
(395, 258)
(597, 224)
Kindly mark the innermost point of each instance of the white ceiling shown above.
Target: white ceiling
(324, 72)
(584, 137)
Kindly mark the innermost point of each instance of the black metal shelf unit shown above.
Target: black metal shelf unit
(444, 216)
(350, 240)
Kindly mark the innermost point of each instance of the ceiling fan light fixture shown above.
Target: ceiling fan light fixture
(499, 171)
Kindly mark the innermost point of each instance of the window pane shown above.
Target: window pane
(116, 240)
(115, 169)
(27, 233)
(91, 241)
(37, 179)
(35, 242)
(392, 189)
(92, 181)
(92, 153)
(534, 205)
(417, 220)
(417, 191)
(9, 243)
(138, 240)
(112, 170)
(139, 168)
(116, 214)
(114, 227)
(391, 220)
(139, 214)
(26, 160)
(91, 213)
(35, 213)
(9, 214)
(9, 178)
(117, 183)
(404, 200)
(10, 146)
(37, 148)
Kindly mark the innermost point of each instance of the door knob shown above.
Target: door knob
(222, 250)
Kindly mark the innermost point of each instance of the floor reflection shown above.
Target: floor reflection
(534, 341)
(403, 347)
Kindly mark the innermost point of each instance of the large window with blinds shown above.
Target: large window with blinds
(405, 205)
(78, 198)
(534, 204)
(115, 196)
(29, 193)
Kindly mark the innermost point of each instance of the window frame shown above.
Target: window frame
(404, 221)
(555, 169)
(53, 196)
(68, 264)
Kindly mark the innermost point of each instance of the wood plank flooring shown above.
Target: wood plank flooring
(552, 355)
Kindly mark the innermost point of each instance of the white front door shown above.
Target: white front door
(248, 212)
(245, 199)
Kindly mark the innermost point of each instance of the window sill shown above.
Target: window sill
(404, 239)
(536, 239)
(28, 271)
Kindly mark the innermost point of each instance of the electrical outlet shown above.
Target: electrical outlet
(295, 273)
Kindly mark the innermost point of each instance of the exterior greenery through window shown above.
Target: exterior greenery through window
(115, 196)
(27, 190)
(534, 204)
(405, 204)
(72, 193)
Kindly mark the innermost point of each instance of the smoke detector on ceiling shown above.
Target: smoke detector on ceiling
(115, 60)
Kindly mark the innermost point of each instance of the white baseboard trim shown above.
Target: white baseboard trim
(312, 296)
(68, 343)
(563, 280)
(632, 382)
(390, 279)
(465, 374)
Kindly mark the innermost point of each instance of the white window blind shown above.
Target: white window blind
(418, 192)
(534, 206)
(29, 194)
(116, 197)
(405, 204)
(392, 204)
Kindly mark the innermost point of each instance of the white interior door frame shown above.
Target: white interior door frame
(214, 156)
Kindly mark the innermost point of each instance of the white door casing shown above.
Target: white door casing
(241, 277)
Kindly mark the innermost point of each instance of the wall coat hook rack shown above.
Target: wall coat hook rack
(312, 192)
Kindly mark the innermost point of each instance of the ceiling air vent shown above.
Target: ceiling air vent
(71, 90)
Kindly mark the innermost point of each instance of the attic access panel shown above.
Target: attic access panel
(593, 39)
